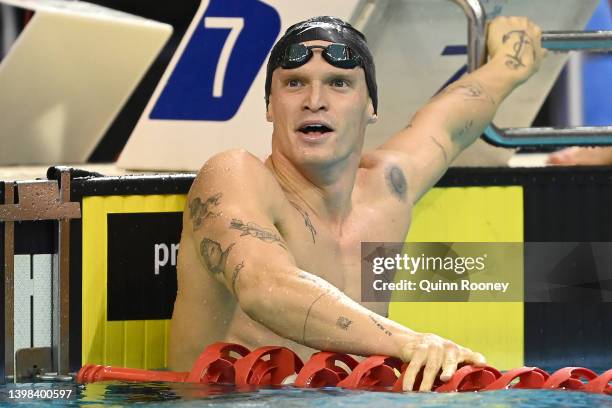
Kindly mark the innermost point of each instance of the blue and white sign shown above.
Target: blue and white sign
(211, 97)
(219, 65)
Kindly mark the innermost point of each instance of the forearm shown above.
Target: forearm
(310, 311)
(462, 111)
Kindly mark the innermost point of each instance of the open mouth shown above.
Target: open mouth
(315, 130)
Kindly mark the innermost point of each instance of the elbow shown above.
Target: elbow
(256, 295)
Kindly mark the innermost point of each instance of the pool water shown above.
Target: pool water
(192, 395)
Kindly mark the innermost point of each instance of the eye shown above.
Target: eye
(294, 83)
(340, 83)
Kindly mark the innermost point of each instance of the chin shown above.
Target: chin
(310, 158)
(318, 156)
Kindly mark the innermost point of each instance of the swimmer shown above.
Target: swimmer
(582, 156)
(270, 251)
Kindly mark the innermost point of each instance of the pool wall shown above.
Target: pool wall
(122, 273)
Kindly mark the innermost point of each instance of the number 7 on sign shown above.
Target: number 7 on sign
(235, 24)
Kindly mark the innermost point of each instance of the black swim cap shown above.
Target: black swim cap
(327, 29)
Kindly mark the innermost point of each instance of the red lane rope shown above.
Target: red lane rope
(227, 363)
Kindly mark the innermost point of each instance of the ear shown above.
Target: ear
(372, 117)
(269, 112)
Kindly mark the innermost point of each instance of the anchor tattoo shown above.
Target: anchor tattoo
(515, 61)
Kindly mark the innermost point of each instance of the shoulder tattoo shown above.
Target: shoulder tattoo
(199, 210)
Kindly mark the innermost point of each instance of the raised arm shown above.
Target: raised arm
(231, 211)
(457, 116)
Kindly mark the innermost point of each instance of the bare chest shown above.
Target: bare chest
(335, 255)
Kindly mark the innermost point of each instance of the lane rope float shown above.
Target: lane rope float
(228, 363)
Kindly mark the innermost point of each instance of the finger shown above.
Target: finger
(536, 29)
(476, 359)
(432, 368)
(416, 362)
(479, 360)
(451, 359)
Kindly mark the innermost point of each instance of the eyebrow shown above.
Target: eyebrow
(350, 75)
(338, 75)
(293, 74)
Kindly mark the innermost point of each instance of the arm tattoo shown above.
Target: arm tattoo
(200, 211)
(441, 148)
(256, 231)
(466, 127)
(235, 275)
(308, 315)
(380, 326)
(214, 256)
(396, 181)
(307, 221)
(343, 323)
(471, 91)
(515, 61)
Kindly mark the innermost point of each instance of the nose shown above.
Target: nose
(315, 98)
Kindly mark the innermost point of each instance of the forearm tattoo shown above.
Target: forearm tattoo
(343, 322)
(215, 258)
(380, 326)
(466, 127)
(471, 91)
(256, 231)
(396, 181)
(237, 270)
(433, 139)
(200, 211)
(308, 315)
(521, 42)
(307, 221)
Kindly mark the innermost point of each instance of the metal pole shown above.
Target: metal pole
(9, 304)
(477, 24)
(558, 41)
(565, 41)
(61, 288)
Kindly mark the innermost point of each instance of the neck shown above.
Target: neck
(325, 189)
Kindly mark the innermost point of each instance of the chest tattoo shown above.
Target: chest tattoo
(307, 222)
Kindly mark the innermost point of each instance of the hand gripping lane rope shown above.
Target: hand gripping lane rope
(227, 363)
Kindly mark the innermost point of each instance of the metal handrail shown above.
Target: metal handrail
(40, 200)
(557, 41)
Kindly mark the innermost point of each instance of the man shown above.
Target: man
(581, 156)
(270, 251)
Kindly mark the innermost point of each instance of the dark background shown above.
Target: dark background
(134, 292)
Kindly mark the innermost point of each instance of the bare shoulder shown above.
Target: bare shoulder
(237, 175)
(232, 163)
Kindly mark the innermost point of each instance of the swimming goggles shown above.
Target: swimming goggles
(336, 54)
